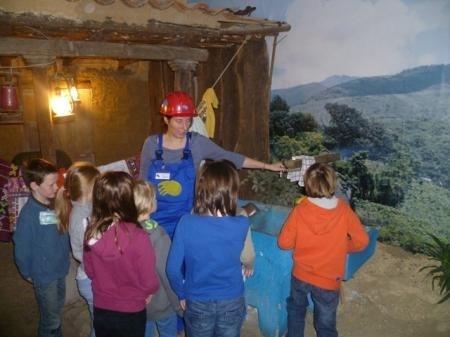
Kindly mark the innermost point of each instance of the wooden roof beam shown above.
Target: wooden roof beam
(64, 48)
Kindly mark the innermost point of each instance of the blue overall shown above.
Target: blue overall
(175, 184)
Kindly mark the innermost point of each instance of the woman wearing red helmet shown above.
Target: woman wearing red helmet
(170, 160)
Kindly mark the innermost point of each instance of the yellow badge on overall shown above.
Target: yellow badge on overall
(169, 187)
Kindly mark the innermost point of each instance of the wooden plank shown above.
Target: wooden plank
(64, 48)
(43, 114)
(28, 25)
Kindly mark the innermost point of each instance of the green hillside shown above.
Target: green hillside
(418, 120)
(425, 209)
(410, 113)
(299, 94)
(396, 227)
(433, 102)
(407, 81)
(428, 202)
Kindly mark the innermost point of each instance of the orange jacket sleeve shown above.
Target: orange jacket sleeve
(288, 234)
(357, 235)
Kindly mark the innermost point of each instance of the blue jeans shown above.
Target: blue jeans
(215, 318)
(85, 290)
(325, 307)
(167, 327)
(50, 298)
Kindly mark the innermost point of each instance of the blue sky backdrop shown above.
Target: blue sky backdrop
(353, 37)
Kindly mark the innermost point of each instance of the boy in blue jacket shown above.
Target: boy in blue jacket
(41, 246)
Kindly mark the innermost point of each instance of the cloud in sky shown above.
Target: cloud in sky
(353, 37)
(359, 38)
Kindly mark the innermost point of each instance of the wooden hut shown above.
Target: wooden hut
(124, 56)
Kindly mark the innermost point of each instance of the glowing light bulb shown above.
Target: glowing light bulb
(61, 104)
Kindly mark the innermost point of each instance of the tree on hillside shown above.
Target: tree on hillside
(356, 177)
(306, 143)
(348, 128)
(304, 122)
(346, 124)
(279, 104)
(283, 123)
(386, 186)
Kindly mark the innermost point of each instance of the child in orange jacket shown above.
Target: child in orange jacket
(321, 230)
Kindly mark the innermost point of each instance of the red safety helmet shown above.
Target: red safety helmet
(178, 104)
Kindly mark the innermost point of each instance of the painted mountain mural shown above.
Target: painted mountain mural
(392, 133)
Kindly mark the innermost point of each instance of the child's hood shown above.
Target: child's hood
(115, 241)
(321, 220)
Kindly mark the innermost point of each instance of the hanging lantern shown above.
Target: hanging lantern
(10, 102)
(9, 94)
(61, 103)
(64, 95)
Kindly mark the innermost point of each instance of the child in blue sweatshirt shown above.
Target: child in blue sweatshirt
(209, 243)
(41, 246)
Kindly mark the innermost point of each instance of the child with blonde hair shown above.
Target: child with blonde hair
(321, 229)
(118, 258)
(74, 207)
(161, 311)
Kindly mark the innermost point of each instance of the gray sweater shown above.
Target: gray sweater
(77, 226)
(164, 302)
(201, 148)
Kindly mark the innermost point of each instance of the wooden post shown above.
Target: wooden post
(41, 87)
(184, 75)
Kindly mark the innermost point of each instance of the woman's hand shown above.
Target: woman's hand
(183, 304)
(276, 167)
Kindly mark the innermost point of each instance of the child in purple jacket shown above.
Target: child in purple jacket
(119, 259)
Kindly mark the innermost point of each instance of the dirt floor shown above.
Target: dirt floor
(387, 298)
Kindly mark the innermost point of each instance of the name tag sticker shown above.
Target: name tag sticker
(47, 218)
(162, 175)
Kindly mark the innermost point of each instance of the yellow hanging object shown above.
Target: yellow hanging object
(206, 110)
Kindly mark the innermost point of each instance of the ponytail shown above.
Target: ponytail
(77, 184)
(63, 207)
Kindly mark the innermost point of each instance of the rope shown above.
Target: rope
(231, 60)
(30, 66)
(272, 59)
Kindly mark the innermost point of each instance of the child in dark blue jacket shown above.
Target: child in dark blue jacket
(41, 246)
(209, 243)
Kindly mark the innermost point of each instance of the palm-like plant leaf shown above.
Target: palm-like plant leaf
(438, 251)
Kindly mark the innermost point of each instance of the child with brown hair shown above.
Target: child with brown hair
(209, 243)
(118, 258)
(74, 207)
(321, 229)
(41, 245)
(161, 311)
